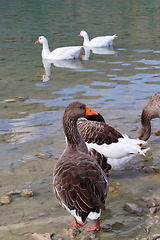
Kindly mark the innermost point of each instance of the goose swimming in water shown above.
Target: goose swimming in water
(101, 41)
(61, 53)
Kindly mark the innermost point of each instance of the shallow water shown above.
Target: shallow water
(117, 83)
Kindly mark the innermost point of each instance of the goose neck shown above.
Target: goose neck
(45, 49)
(86, 38)
(74, 139)
(145, 130)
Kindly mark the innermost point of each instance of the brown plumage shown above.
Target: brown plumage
(101, 160)
(150, 111)
(79, 183)
(107, 141)
(97, 132)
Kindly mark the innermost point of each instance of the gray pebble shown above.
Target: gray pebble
(132, 208)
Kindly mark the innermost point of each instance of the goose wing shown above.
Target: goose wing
(80, 185)
(98, 132)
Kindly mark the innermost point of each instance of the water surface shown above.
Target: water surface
(117, 83)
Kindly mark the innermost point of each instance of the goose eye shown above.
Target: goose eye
(81, 107)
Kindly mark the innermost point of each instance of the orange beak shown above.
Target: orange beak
(79, 35)
(37, 41)
(90, 112)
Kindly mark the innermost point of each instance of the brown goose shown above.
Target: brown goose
(150, 111)
(79, 183)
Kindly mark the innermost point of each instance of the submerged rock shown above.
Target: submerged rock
(132, 208)
(154, 236)
(150, 201)
(156, 132)
(145, 168)
(5, 199)
(43, 155)
(13, 192)
(72, 232)
(45, 236)
(9, 100)
(148, 169)
(153, 210)
(27, 193)
(112, 189)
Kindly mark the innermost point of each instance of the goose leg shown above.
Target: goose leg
(76, 224)
(97, 227)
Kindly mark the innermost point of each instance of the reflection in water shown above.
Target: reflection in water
(97, 50)
(73, 64)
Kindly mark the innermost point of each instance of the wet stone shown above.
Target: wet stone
(106, 228)
(45, 236)
(132, 208)
(153, 210)
(9, 100)
(148, 228)
(146, 199)
(27, 193)
(157, 198)
(150, 201)
(13, 192)
(72, 232)
(112, 189)
(156, 132)
(118, 184)
(5, 199)
(148, 169)
(43, 155)
(154, 237)
(84, 238)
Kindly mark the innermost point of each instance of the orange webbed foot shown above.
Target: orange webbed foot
(77, 224)
(97, 227)
(92, 228)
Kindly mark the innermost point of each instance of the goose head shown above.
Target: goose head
(41, 39)
(83, 34)
(71, 114)
(76, 110)
(150, 111)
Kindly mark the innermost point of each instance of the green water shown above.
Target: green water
(117, 84)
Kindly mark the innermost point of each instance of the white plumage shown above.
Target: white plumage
(101, 41)
(62, 53)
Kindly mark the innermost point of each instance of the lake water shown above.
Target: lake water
(117, 82)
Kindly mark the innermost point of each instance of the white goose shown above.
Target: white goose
(102, 41)
(62, 53)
